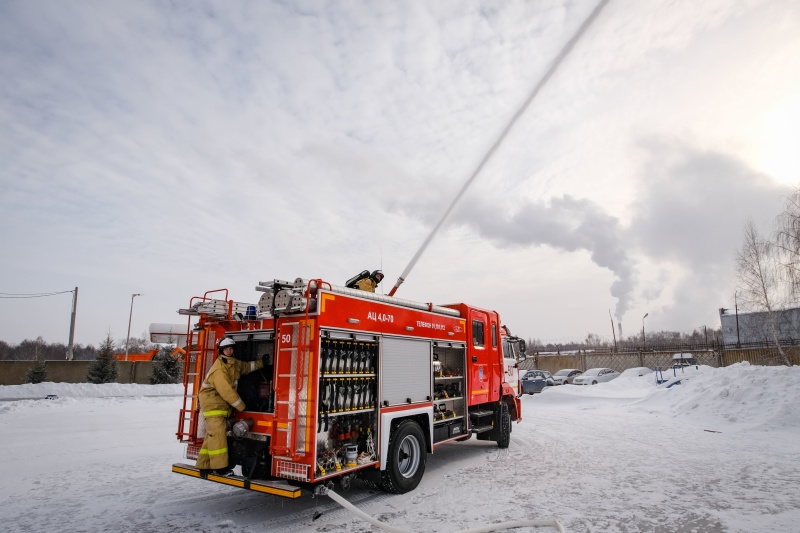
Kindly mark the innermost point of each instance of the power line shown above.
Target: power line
(12, 295)
(30, 295)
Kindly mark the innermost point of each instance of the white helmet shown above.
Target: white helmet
(224, 343)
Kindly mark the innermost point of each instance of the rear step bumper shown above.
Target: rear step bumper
(278, 488)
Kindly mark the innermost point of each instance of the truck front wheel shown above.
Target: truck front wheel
(504, 433)
(406, 461)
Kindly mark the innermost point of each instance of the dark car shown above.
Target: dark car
(536, 380)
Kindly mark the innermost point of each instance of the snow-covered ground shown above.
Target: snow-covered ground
(719, 452)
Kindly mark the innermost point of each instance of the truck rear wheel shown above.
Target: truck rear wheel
(406, 461)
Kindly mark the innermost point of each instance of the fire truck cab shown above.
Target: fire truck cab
(354, 384)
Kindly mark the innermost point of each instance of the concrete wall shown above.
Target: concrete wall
(13, 372)
(767, 356)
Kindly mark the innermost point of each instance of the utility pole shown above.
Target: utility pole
(612, 330)
(70, 354)
(736, 306)
(130, 316)
(644, 341)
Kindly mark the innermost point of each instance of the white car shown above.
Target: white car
(593, 376)
(565, 376)
(636, 372)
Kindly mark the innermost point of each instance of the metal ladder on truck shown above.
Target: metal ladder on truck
(199, 357)
(292, 399)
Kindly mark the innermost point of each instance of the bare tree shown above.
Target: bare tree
(759, 280)
(594, 341)
(787, 241)
(137, 344)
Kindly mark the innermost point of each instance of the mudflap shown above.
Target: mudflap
(277, 488)
(498, 427)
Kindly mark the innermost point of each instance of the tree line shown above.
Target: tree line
(594, 342)
(32, 350)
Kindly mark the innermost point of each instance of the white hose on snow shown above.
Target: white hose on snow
(484, 529)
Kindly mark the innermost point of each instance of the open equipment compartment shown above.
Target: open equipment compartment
(256, 388)
(449, 404)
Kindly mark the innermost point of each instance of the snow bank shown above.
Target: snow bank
(86, 390)
(745, 395)
(751, 396)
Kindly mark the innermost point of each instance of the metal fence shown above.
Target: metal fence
(718, 355)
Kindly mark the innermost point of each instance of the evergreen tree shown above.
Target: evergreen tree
(37, 373)
(166, 368)
(104, 368)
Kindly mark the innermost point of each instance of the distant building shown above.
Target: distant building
(754, 327)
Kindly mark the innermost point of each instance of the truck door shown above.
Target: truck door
(495, 357)
(510, 365)
(480, 364)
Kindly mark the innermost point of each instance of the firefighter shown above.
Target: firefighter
(218, 398)
(370, 283)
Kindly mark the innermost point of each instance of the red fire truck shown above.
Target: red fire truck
(354, 384)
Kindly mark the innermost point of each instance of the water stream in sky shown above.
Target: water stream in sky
(538, 87)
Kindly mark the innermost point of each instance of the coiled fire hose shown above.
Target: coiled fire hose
(324, 491)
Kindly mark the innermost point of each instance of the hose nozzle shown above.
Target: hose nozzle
(399, 282)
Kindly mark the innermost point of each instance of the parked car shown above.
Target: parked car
(535, 381)
(593, 376)
(565, 376)
(681, 360)
(636, 372)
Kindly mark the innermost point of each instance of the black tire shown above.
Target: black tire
(594, 383)
(504, 437)
(406, 461)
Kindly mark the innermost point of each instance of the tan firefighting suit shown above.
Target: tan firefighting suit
(366, 284)
(217, 396)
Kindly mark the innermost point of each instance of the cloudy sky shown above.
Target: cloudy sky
(171, 148)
